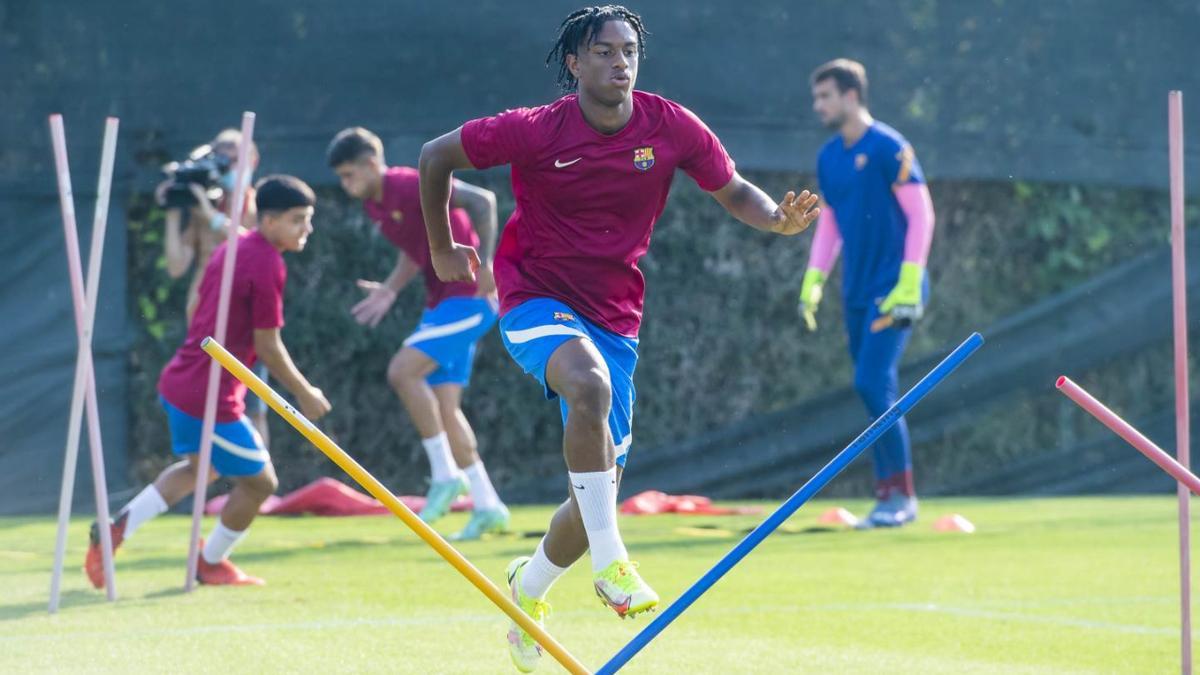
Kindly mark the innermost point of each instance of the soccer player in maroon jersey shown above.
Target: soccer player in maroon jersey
(590, 174)
(432, 368)
(285, 209)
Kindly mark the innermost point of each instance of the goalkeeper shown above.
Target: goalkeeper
(876, 209)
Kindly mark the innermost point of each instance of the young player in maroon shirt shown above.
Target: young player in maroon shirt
(432, 368)
(590, 174)
(285, 209)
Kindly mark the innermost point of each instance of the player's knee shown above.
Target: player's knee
(400, 371)
(588, 391)
(871, 388)
(263, 484)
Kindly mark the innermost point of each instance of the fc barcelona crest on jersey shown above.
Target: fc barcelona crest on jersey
(643, 158)
(397, 215)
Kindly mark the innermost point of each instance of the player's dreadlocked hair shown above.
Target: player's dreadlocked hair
(584, 24)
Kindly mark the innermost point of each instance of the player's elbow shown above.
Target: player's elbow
(478, 201)
(432, 157)
(266, 344)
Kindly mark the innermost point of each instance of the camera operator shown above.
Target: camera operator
(198, 196)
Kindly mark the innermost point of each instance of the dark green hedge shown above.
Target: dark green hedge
(721, 338)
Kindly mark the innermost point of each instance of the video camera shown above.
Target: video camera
(204, 168)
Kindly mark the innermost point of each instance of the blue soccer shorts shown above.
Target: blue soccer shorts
(237, 449)
(448, 333)
(533, 330)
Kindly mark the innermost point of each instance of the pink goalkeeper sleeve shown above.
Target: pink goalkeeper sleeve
(827, 242)
(918, 210)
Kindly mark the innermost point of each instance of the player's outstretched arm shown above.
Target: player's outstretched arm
(749, 204)
(380, 295)
(268, 345)
(439, 158)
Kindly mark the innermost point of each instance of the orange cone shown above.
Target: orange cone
(953, 523)
(838, 516)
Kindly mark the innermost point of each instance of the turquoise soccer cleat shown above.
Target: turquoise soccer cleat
(441, 495)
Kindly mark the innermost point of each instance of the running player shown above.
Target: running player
(590, 173)
(285, 209)
(431, 369)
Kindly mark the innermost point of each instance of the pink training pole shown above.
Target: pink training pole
(1132, 436)
(214, 371)
(84, 391)
(1182, 422)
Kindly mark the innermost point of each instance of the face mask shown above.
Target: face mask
(229, 180)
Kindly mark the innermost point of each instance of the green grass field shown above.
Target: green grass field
(1056, 585)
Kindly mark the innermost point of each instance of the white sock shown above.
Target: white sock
(220, 542)
(540, 574)
(146, 505)
(441, 460)
(596, 493)
(483, 493)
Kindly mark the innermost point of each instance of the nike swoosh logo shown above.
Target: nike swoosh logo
(620, 607)
(560, 164)
(578, 487)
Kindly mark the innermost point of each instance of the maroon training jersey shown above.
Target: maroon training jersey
(587, 202)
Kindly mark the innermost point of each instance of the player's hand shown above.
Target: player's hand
(370, 310)
(903, 306)
(811, 291)
(795, 213)
(215, 219)
(160, 192)
(458, 263)
(314, 405)
(486, 281)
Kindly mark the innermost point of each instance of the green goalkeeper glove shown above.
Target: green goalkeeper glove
(904, 304)
(810, 296)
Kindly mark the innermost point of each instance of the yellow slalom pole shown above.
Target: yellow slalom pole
(377, 490)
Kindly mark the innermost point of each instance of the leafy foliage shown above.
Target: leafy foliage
(721, 339)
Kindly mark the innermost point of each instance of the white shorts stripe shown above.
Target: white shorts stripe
(446, 329)
(252, 454)
(521, 336)
(623, 446)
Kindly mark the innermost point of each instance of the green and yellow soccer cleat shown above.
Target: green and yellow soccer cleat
(526, 653)
(441, 495)
(483, 521)
(621, 588)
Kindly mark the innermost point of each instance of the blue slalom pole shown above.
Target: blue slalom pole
(806, 492)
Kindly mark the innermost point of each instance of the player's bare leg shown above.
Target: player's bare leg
(407, 374)
(489, 513)
(172, 485)
(247, 496)
(588, 521)
(178, 480)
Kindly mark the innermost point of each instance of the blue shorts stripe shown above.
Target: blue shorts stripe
(237, 450)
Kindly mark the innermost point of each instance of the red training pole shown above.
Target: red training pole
(1182, 422)
(1131, 435)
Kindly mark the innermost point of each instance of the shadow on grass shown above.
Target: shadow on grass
(67, 600)
(165, 559)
